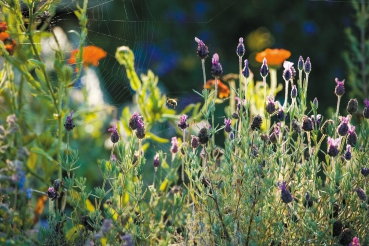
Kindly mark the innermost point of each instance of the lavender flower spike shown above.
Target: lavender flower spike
(182, 122)
(240, 48)
(227, 127)
(69, 125)
(174, 148)
(264, 70)
(366, 109)
(202, 49)
(333, 146)
(216, 68)
(339, 90)
(285, 194)
(114, 134)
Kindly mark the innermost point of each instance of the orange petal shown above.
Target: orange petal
(274, 57)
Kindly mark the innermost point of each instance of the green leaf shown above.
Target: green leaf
(156, 138)
(41, 152)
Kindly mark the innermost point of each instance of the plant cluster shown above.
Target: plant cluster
(285, 175)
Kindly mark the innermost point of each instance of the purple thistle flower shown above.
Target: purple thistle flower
(300, 64)
(69, 125)
(366, 109)
(140, 131)
(285, 194)
(339, 90)
(156, 161)
(227, 127)
(202, 49)
(343, 127)
(333, 146)
(246, 70)
(264, 70)
(114, 133)
(194, 142)
(182, 122)
(347, 154)
(240, 48)
(174, 148)
(307, 66)
(365, 171)
(216, 68)
(355, 242)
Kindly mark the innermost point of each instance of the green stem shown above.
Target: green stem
(285, 95)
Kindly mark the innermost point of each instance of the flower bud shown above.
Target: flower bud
(264, 71)
(351, 137)
(347, 154)
(227, 127)
(174, 148)
(343, 127)
(300, 64)
(156, 161)
(360, 193)
(114, 137)
(256, 122)
(240, 48)
(69, 125)
(365, 171)
(216, 68)
(202, 49)
(194, 142)
(270, 107)
(366, 109)
(352, 106)
(339, 90)
(307, 66)
(315, 103)
(246, 70)
(294, 92)
(285, 193)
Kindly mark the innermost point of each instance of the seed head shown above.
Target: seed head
(246, 70)
(240, 48)
(300, 64)
(351, 137)
(203, 135)
(256, 122)
(333, 146)
(69, 125)
(264, 71)
(352, 106)
(182, 122)
(114, 134)
(339, 90)
(202, 49)
(307, 66)
(227, 127)
(216, 68)
(174, 148)
(307, 124)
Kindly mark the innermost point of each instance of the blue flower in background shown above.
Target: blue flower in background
(309, 27)
(29, 193)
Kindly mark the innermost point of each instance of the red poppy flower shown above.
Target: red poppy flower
(274, 57)
(10, 45)
(3, 26)
(223, 89)
(91, 56)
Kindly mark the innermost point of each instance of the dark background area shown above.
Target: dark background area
(161, 33)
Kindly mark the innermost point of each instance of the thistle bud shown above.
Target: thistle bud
(307, 66)
(202, 49)
(339, 90)
(216, 68)
(240, 48)
(264, 71)
(203, 135)
(352, 106)
(256, 122)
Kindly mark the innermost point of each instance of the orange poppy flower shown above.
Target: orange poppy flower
(274, 57)
(10, 45)
(39, 208)
(3, 35)
(3, 26)
(91, 55)
(223, 89)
